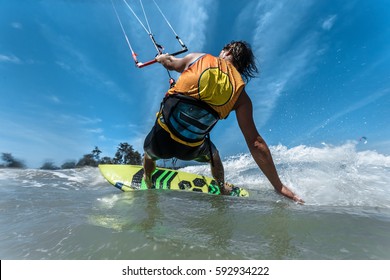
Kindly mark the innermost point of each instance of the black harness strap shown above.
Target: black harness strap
(188, 118)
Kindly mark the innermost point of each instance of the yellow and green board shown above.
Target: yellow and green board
(130, 178)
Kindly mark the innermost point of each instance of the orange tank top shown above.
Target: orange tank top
(212, 80)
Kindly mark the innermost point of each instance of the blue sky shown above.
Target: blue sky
(68, 82)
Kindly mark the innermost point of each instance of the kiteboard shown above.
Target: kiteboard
(130, 178)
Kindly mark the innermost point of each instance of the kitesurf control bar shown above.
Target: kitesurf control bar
(159, 49)
(148, 30)
(143, 64)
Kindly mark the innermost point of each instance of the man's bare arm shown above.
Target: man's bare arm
(258, 147)
(177, 64)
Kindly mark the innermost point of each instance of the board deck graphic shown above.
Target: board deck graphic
(130, 178)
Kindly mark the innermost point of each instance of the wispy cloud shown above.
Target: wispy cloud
(71, 58)
(194, 21)
(64, 142)
(190, 19)
(54, 99)
(351, 108)
(16, 25)
(10, 59)
(63, 65)
(328, 23)
(78, 62)
(284, 54)
(95, 130)
(77, 119)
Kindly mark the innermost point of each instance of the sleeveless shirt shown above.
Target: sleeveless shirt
(212, 80)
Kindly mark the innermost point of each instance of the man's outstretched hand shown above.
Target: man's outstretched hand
(288, 193)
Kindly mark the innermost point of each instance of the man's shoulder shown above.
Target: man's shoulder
(195, 55)
(191, 58)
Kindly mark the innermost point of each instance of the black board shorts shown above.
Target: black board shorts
(159, 145)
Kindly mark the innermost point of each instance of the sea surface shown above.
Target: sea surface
(76, 215)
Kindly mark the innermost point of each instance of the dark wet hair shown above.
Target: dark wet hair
(243, 59)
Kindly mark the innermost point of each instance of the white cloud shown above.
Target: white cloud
(54, 99)
(63, 65)
(78, 119)
(283, 53)
(194, 21)
(73, 59)
(10, 59)
(328, 23)
(95, 130)
(17, 25)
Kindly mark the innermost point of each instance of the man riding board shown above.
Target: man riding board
(208, 89)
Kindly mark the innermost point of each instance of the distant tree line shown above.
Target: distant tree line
(125, 154)
(11, 162)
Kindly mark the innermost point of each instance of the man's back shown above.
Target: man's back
(212, 80)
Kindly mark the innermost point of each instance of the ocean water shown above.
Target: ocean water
(76, 215)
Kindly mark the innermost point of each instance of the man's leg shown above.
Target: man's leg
(219, 174)
(149, 167)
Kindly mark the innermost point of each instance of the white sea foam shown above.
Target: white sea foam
(327, 175)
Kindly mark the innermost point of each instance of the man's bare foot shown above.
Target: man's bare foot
(148, 181)
(227, 189)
